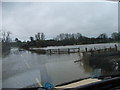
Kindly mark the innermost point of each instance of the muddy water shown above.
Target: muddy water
(23, 68)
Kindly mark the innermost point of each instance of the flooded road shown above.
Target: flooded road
(24, 68)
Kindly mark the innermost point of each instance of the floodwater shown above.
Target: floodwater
(26, 69)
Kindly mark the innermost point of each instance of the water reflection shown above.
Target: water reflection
(108, 63)
(45, 77)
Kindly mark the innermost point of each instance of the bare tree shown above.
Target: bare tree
(114, 36)
(31, 39)
(6, 36)
(39, 36)
(42, 36)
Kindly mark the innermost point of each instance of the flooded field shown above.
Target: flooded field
(24, 68)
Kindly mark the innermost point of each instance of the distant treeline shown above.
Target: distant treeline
(66, 39)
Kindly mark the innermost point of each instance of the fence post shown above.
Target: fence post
(110, 49)
(115, 47)
(86, 49)
(78, 49)
(50, 51)
(68, 51)
(91, 51)
(58, 51)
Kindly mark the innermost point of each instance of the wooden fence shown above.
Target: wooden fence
(78, 50)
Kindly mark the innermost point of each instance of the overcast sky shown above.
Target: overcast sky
(25, 19)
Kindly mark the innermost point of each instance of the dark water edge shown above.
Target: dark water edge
(5, 49)
(109, 63)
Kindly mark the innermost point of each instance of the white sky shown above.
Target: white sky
(25, 19)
